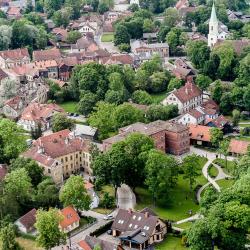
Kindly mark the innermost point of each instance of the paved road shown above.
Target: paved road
(125, 197)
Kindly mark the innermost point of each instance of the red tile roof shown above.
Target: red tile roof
(88, 185)
(195, 113)
(15, 54)
(3, 75)
(70, 216)
(3, 171)
(28, 220)
(210, 104)
(118, 59)
(39, 112)
(238, 146)
(187, 92)
(84, 245)
(14, 102)
(220, 121)
(49, 54)
(60, 31)
(46, 64)
(14, 11)
(199, 132)
(61, 143)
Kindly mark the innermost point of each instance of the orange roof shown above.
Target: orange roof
(84, 245)
(46, 64)
(200, 133)
(238, 146)
(70, 216)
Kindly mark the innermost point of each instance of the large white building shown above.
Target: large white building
(217, 30)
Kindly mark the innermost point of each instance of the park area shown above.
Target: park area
(107, 37)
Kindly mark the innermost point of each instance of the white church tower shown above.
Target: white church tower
(213, 28)
(217, 30)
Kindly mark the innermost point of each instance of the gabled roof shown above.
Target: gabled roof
(15, 54)
(70, 216)
(200, 133)
(220, 121)
(195, 113)
(187, 92)
(49, 54)
(14, 102)
(28, 220)
(238, 146)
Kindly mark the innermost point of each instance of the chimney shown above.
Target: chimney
(146, 214)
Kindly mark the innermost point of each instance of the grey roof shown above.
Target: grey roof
(81, 129)
(105, 245)
(213, 18)
(149, 35)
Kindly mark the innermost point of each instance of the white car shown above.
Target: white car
(108, 217)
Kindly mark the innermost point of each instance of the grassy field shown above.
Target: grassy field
(69, 106)
(26, 244)
(231, 165)
(171, 243)
(225, 183)
(213, 171)
(108, 37)
(244, 125)
(157, 98)
(182, 199)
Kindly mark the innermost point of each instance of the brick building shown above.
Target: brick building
(168, 137)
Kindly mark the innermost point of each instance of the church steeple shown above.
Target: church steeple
(213, 18)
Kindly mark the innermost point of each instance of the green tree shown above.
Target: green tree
(74, 193)
(246, 99)
(191, 169)
(103, 118)
(161, 174)
(148, 25)
(172, 17)
(61, 17)
(18, 184)
(5, 36)
(203, 81)
(102, 7)
(121, 35)
(217, 91)
(60, 122)
(224, 149)
(141, 97)
(35, 172)
(73, 36)
(126, 114)
(107, 201)
(226, 104)
(7, 236)
(159, 81)
(174, 83)
(47, 194)
(47, 225)
(87, 103)
(198, 52)
(236, 117)
(216, 136)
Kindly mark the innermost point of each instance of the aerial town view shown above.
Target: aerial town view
(124, 124)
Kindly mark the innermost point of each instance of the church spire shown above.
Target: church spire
(213, 18)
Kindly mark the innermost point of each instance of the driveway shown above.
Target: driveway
(109, 46)
(125, 197)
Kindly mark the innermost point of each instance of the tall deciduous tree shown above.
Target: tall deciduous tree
(121, 35)
(61, 121)
(190, 167)
(47, 225)
(74, 193)
(216, 136)
(161, 174)
(7, 236)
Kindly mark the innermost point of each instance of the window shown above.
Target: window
(139, 218)
(76, 155)
(134, 217)
(49, 171)
(71, 158)
(135, 226)
(66, 158)
(130, 225)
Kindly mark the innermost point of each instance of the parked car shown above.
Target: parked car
(108, 217)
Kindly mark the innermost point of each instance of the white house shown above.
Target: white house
(186, 98)
(88, 27)
(217, 30)
(70, 220)
(26, 223)
(191, 117)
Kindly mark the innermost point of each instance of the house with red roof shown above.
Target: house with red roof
(15, 57)
(200, 135)
(186, 98)
(71, 219)
(26, 223)
(37, 113)
(13, 107)
(61, 154)
(48, 54)
(238, 147)
(221, 122)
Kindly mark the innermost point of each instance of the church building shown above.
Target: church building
(217, 30)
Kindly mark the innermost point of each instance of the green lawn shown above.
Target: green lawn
(157, 98)
(244, 125)
(213, 171)
(231, 165)
(26, 244)
(107, 37)
(225, 183)
(182, 200)
(171, 243)
(69, 106)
